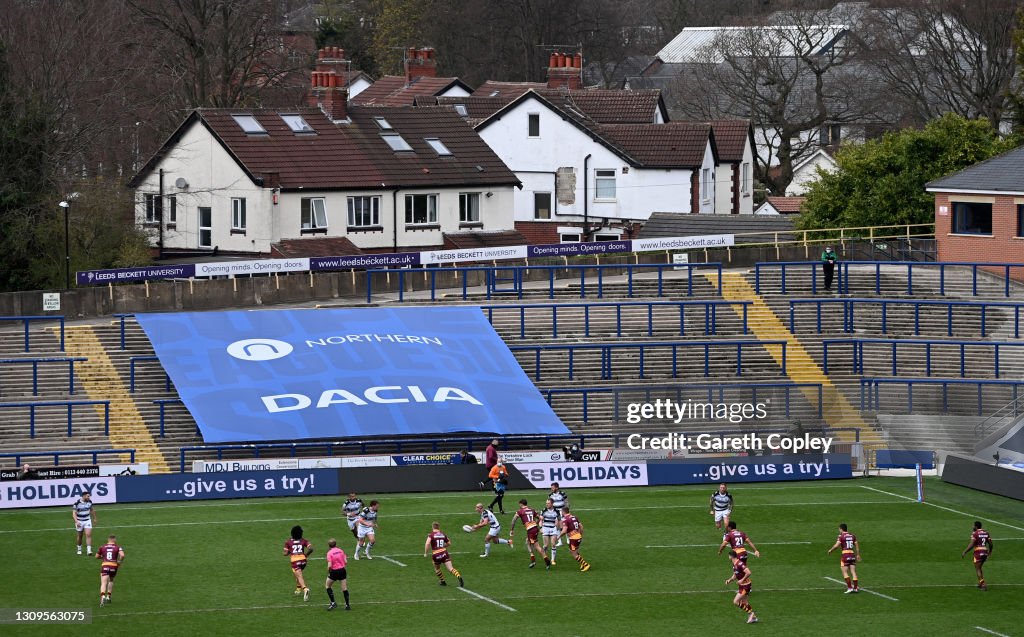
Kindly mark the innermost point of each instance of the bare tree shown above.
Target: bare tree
(789, 80)
(940, 56)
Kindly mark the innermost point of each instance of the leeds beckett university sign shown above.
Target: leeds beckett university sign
(307, 374)
(402, 259)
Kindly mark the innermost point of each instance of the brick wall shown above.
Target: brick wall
(1003, 246)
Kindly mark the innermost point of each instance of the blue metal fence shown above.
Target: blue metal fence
(35, 362)
(857, 351)
(516, 276)
(870, 395)
(985, 309)
(27, 320)
(57, 455)
(711, 310)
(843, 273)
(69, 404)
(606, 351)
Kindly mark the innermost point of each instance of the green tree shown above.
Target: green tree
(397, 28)
(882, 182)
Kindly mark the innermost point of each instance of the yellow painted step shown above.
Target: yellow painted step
(800, 366)
(100, 379)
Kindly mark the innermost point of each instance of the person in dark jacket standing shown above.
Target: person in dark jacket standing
(490, 460)
(828, 265)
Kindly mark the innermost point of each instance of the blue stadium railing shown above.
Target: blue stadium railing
(57, 455)
(606, 351)
(27, 320)
(518, 275)
(849, 324)
(35, 362)
(69, 404)
(134, 360)
(870, 391)
(711, 310)
(893, 345)
(447, 445)
(843, 273)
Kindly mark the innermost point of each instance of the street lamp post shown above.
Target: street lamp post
(66, 205)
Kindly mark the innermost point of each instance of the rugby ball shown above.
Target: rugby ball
(467, 528)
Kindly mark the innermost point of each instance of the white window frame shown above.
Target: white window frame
(602, 178)
(469, 213)
(705, 185)
(530, 118)
(568, 237)
(152, 205)
(550, 204)
(431, 211)
(314, 219)
(238, 213)
(373, 213)
(745, 178)
(208, 229)
(172, 210)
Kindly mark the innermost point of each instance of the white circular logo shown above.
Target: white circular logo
(259, 349)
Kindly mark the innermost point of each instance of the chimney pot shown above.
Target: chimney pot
(551, 60)
(577, 61)
(321, 54)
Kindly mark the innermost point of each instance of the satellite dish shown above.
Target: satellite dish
(181, 183)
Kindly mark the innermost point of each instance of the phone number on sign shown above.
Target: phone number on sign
(45, 616)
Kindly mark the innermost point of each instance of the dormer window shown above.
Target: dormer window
(382, 123)
(438, 146)
(249, 125)
(297, 124)
(395, 141)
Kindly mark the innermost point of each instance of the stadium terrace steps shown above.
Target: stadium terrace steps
(937, 433)
(101, 381)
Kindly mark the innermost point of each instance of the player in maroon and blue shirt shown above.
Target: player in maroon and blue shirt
(298, 549)
(981, 542)
(437, 545)
(530, 519)
(847, 542)
(741, 575)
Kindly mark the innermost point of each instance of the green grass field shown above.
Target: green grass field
(215, 568)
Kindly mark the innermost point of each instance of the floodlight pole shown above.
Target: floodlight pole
(66, 205)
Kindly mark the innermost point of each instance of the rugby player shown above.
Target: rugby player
(551, 529)
(336, 573)
(83, 512)
(720, 506)
(741, 575)
(850, 556)
(298, 549)
(437, 545)
(981, 542)
(560, 499)
(366, 525)
(488, 519)
(573, 530)
(112, 556)
(736, 540)
(350, 509)
(529, 518)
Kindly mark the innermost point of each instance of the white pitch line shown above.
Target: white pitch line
(451, 514)
(688, 546)
(388, 559)
(939, 506)
(831, 579)
(487, 599)
(991, 632)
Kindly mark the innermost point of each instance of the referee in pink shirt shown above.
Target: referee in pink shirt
(336, 561)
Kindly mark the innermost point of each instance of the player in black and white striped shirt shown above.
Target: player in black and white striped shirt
(488, 519)
(550, 527)
(351, 508)
(559, 498)
(84, 516)
(720, 506)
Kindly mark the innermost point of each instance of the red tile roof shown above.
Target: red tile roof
(787, 205)
(392, 90)
(318, 247)
(731, 138)
(669, 145)
(351, 155)
(607, 106)
(465, 240)
(506, 90)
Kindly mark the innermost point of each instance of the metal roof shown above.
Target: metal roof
(695, 44)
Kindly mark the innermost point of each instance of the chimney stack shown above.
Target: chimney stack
(329, 83)
(419, 63)
(565, 71)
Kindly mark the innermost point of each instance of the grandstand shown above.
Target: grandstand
(856, 364)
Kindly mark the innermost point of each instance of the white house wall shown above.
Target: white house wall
(535, 161)
(706, 201)
(808, 174)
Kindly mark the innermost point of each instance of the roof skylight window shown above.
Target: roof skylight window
(248, 124)
(395, 141)
(461, 110)
(383, 123)
(297, 124)
(438, 146)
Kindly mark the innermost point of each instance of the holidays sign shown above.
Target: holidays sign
(315, 374)
(50, 493)
(584, 474)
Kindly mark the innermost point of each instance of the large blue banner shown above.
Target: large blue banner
(219, 486)
(338, 373)
(750, 469)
